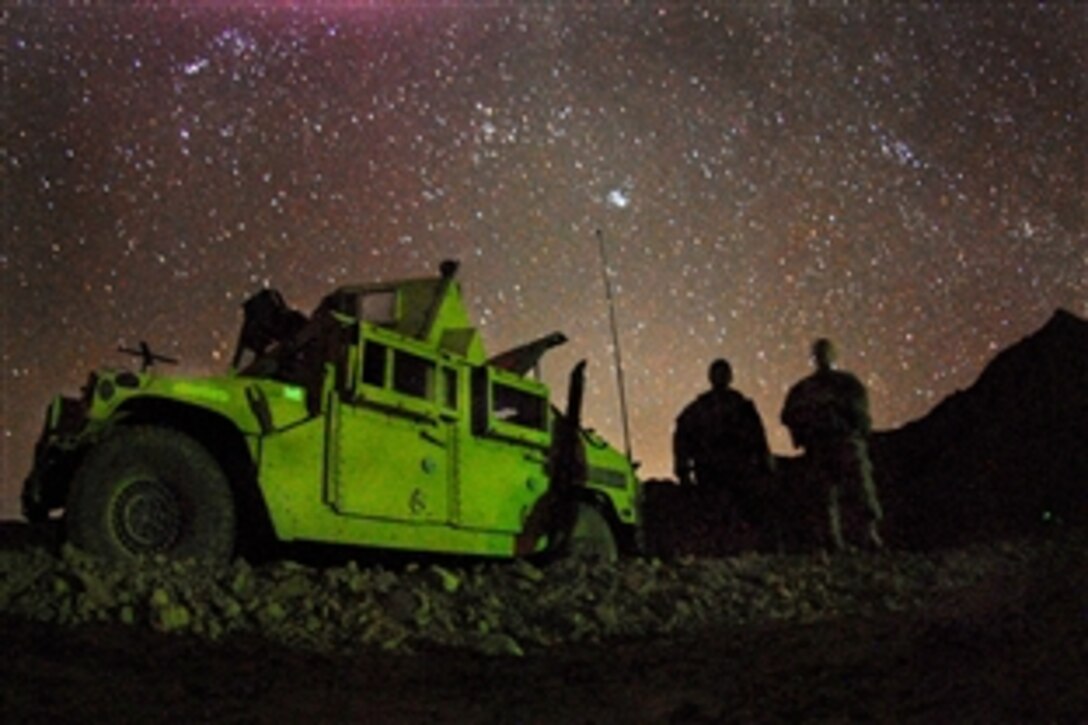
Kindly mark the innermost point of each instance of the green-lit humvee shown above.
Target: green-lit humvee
(378, 420)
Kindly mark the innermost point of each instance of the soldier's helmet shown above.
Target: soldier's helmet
(824, 353)
(720, 374)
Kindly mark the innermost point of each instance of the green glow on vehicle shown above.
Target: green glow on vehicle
(185, 388)
(402, 434)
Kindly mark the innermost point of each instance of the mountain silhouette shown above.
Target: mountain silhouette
(1006, 456)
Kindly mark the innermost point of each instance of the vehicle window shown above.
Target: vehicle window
(413, 375)
(374, 364)
(517, 406)
(449, 388)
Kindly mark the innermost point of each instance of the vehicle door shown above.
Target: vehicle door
(391, 457)
(503, 457)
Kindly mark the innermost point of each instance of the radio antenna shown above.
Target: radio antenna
(617, 357)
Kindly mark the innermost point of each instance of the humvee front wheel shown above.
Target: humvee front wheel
(146, 490)
(591, 537)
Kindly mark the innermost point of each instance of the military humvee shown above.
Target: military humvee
(376, 421)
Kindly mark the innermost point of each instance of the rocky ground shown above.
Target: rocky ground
(989, 632)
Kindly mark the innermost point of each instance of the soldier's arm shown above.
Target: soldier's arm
(790, 416)
(787, 408)
(860, 408)
(758, 436)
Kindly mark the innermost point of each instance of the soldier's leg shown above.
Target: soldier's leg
(824, 521)
(873, 509)
(810, 503)
(834, 517)
(771, 504)
(804, 500)
(758, 505)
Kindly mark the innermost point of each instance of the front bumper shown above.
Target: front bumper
(56, 457)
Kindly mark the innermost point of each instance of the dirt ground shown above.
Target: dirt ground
(885, 671)
(971, 661)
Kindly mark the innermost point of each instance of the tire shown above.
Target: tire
(591, 536)
(146, 490)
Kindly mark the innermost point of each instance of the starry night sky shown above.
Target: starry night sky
(908, 179)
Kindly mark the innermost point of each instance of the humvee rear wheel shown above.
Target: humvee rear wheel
(147, 490)
(591, 537)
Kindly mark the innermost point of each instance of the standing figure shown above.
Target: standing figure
(827, 414)
(719, 443)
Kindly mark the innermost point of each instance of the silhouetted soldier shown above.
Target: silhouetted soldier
(827, 414)
(719, 442)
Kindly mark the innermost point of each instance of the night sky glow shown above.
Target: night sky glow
(906, 178)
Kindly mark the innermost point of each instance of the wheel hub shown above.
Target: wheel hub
(147, 517)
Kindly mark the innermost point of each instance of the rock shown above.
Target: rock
(402, 604)
(510, 608)
(527, 571)
(446, 579)
(271, 614)
(497, 644)
(171, 617)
